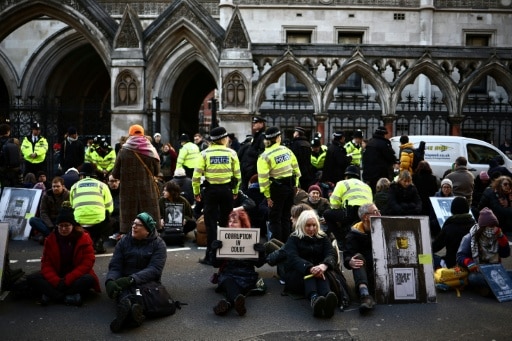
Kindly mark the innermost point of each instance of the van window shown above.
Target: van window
(480, 154)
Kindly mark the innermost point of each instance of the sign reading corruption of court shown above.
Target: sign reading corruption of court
(237, 242)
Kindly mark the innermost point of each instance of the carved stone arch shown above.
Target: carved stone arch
(9, 75)
(43, 63)
(129, 34)
(87, 17)
(437, 76)
(498, 71)
(126, 89)
(234, 91)
(370, 75)
(292, 65)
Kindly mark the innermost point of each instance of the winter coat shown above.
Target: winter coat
(138, 191)
(301, 148)
(336, 161)
(302, 255)
(463, 182)
(249, 157)
(143, 260)
(72, 154)
(378, 159)
(403, 201)
(11, 154)
(240, 270)
(490, 198)
(454, 229)
(426, 184)
(168, 162)
(185, 184)
(407, 157)
(51, 205)
(83, 261)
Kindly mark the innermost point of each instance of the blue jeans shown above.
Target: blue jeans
(40, 226)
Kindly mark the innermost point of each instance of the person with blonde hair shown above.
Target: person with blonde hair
(403, 197)
(309, 255)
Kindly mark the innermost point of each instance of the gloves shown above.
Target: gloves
(472, 267)
(499, 233)
(216, 244)
(258, 247)
(113, 289)
(124, 282)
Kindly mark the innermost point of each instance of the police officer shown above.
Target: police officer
(318, 153)
(278, 174)
(92, 204)
(104, 158)
(221, 170)
(34, 148)
(346, 198)
(354, 148)
(188, 156)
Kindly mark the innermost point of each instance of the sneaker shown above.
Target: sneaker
(137, 314)
(240, 305)
(367, 304)
(318, 305)
(122, 311)
(222, 308)
(331, 301)
(75, 299)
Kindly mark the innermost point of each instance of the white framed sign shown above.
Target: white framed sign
(4, 235)
(17, 206)
(403, 266)
(443, 208)
(238, 242)
(173, 215)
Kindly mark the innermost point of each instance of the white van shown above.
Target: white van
(441, 152)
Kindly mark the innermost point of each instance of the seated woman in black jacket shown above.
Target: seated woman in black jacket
(236, 277)
(403, 197)
(309, 255)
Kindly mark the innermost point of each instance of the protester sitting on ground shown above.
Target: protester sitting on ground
(454, 229)
(185, 183)
(482, 181)
(317, 203)
(380, 198)
(67, 263)
(484, 244)
(403, 197)
(444, 192)
(29, 180)
(358, 256)
(427, 185)
(236, 277)
(49, 209)
(138, 259)
(171, 196)
(499, 199)
(309, 255)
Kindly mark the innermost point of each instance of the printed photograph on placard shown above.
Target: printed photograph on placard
(17, 206)
(499, 280)
(173, 215)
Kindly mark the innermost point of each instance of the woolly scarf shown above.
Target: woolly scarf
(141, 145)
(485, 249)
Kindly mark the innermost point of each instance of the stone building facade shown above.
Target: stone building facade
(416, 66)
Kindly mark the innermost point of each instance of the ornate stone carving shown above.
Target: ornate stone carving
(126, 89)
(127, 37)
(236, 37)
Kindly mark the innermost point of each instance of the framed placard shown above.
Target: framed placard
(442, 208)
(403, 266)
(17, 206)
(499, 281)
(238, 242)
(173, 215)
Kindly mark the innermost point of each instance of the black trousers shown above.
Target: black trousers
(280, 212)
(339, 222)
(231, 289)
(42, 286)
(218, 204)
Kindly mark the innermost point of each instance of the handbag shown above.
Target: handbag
(156, 300)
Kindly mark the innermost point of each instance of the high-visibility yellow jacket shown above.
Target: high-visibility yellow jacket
(40, 148)
(188, 156)
(219, 165)
(104, 163)
(90, 200)
(355, 151)
(319, 160)
(276, 162)
(350, 192)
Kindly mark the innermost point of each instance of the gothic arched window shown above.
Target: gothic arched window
(126, 89)
(234, 90)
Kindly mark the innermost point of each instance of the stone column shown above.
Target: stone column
(320, 125)
(388, 123)
(455, 125)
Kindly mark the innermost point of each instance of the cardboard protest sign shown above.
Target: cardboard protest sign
(17, 206)
(238, 242)
(499, 281)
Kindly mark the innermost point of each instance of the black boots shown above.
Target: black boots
(125, 311)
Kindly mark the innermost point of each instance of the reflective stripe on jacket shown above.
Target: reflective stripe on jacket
(351, 192)
(90, 199)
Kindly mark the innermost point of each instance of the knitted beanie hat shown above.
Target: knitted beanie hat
(66, 214)
(148, 221)
(487, 218)
(314, 188)
(447, 182)
(460, 205)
